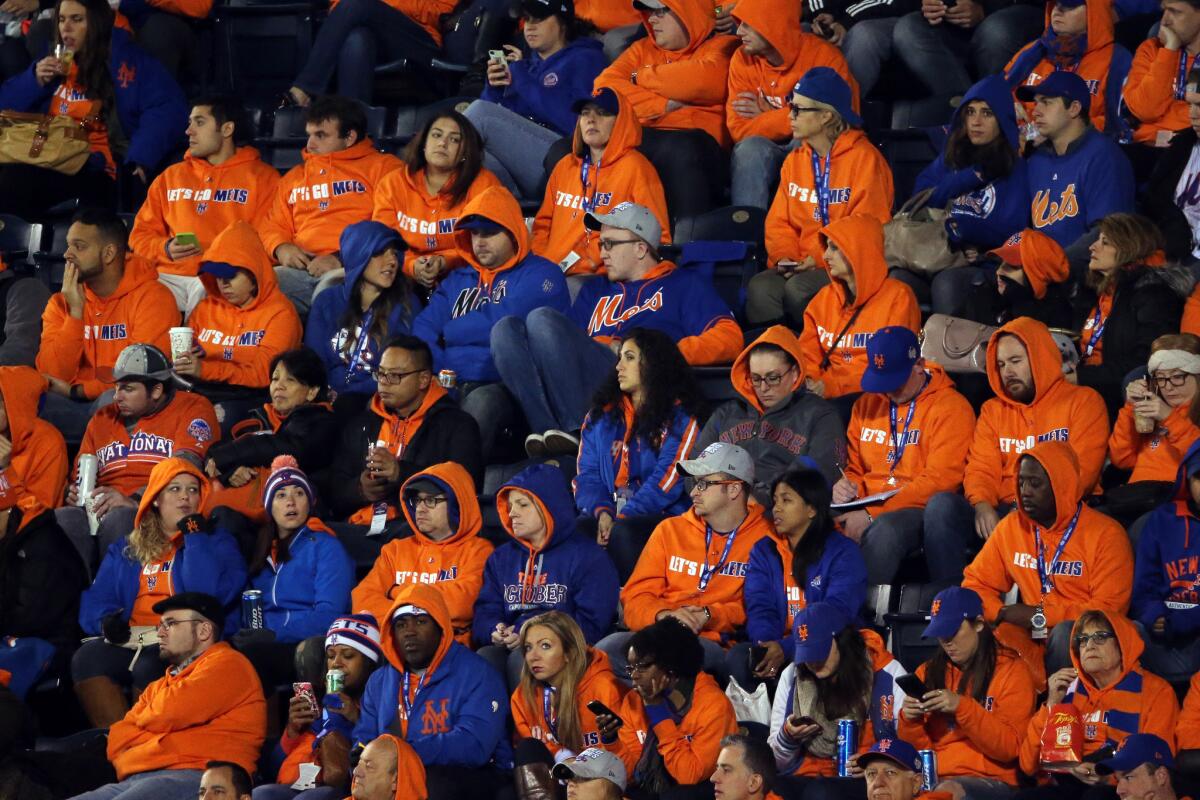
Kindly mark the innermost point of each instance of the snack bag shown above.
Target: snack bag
(1062, 739)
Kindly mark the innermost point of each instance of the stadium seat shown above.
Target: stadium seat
(49, 255)
(907, 623)
(261, 45)
(19, 240)
(730, 224)
(908, 151)
(728, 264)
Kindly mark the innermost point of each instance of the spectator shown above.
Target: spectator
(548, 566)
(522, 110)
(348, 325)
(804, 561)
(979, 701)
(123, 303)
(777, 420)
(896, 383)
(1105, 681)
(167, 29)
(1157, 85)
(442, 171)
(1142, 750)
(147, 422)
(445, 549)
(225, 780)
(1090, 565)
(388, 769)
(745, 769)
(775, 54)
(23, 299)
(863, 34)
(675, 78)
(168, 552)
(594, 774)
(860, 300)
(334, 186)
(885, 781)
(209, 706)
(239, 328)
(811, 195)
(1187, 732)
(106, 77)
(1171, 197)
(1033, 404)
(1030, 281)
(603, 171)
(221, 180)
(36, 461)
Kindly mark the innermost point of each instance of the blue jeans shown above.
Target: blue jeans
(159, 784)
(867, 47)
(513, 146)
(1176, 661)
(975, 788)
(889, 540)
(950, 538)
(71, 417)
(755, 165)
(950, 289)
(297, 285)
(551, 366)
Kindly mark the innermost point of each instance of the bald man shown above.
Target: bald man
(388, 769)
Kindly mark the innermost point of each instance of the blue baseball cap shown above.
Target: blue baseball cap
(891, 353)
(219, 269)
(605, 99)
(1138, 749)
(950, 607)
(476, 222)
(1067, 85)
(814, 629)
(895, 750)
(824, 85)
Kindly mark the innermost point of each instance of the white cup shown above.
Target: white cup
(181, 341)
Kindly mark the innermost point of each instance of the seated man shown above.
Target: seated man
(745, 769)
(225, 780)
(594, 774)
(1155, 90)
(878, 766)
(1171, 196)
(388, 769)
(1154, 757)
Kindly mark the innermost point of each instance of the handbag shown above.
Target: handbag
(44, 140)
(749, 706)
(915, 238)
(957, 345)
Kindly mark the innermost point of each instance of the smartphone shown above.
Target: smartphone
(757, 654)
(497, 56)
(799, 721)
(598, 708)
(187, 239)
(912, 686)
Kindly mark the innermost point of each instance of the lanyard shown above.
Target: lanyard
(1181, 80)
(899, 444)
(585, 170)
(1046, 574)
(821, 178)
(404, 695)
(706, 574)
(548, 711)
(356, 358)
(1098, 324)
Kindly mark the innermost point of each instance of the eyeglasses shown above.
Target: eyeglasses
(659, 12)
(390, 378)
(1176, 379)
(633, 669)
(430, 501)
(703, 484)
(1098, 638)
(770, 379)
(609, 244)
(795, 110)
(167, 624)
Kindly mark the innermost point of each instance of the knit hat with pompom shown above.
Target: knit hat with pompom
(285, 471)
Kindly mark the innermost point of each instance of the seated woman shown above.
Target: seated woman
(643, 420)
(980, 699)
(239, 328)
(443, 170)
(348, 324)
(162, 556)
(804, 561)
(1032, 279)
(104, 77)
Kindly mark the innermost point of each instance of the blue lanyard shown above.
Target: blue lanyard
(1046, 574)
(1097, 331)
(548, 709)
(1181, 81)
(706, 574)
(356, 357)
(821, 178)
(585, 169)
(899, 444)
(404, 693)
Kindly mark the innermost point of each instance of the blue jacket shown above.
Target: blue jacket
(1166, 573)
(981, 214)
(207, 562)
(324, 334)
(306, 593)
(543, 89)
(570, 573)
(653, 487)
(1072, 192)
(151, 107)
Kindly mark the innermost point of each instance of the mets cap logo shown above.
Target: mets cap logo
(802, 632)
(937, 606)
(1015, 239)
(880, 361)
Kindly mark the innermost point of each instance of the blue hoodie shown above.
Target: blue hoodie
(1166, 573)
(981, 214)
(543, 89)
(359, 242)
(569, 573)
(306, 593)
(1072, 192)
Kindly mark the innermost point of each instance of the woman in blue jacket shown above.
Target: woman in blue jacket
(644, 420)
(107, 77)
(169, 551)
(526, 104)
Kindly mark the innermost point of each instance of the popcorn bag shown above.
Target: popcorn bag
(1062, 739)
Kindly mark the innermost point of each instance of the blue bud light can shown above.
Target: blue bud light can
(847, 745)
(252, 609)
(929, 776)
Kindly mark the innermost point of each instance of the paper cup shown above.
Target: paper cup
(181, 341)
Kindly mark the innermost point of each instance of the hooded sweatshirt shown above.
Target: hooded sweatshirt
(983, 213)
(1155, 87)
(458, 704)
(38, 461)
(1138, 702)
(623, 175)
(569, 572)
(1189, 719)
(426, 13)
(194, 196)
(1070, 193)
(859, 181)
(305, 594)
(650, 77)
(454, 565)
(597, 683)
(778, 22)
(1059, 412)
(1094, 569)
(606, 15)
(239, 343)
(1153, 456)
(83, 351)
(457, 323)
(544, 89)
(318, 198)
(801, 425)
(838, 324)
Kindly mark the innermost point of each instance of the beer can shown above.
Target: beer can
(847, 745)
(929, 776)
(252, 609)
(335, 681)
(448, 378)
(85, 482)
(304, 689)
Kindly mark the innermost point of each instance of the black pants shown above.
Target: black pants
(625, 544)
(463, 783)
(29, 192)
(169, 38)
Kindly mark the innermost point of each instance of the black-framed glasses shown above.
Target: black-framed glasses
(703, 484)
(639, 667)
(796, 110)
(1098, 638)
(609, 244)
(429, 501)
(771, 379)
(167, 624)
(390, 378)
(1177, 379)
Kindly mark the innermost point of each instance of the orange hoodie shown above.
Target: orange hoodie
(140, 310)
(650, 77)
(426, 13)
(239, 343)
(739, 375)
(1190, 323)
(606, 15)
(1150, 90)
(197, 197)
(1094, 570)
(454, 565)
(1138, 702)
(37, 466)
(937, 437)
(317, 199)
(860, 182)
(1059, 412)
(1188, 732)
(668, 572)
(838, 324)
(779, 23)
(1152, 456)
(622, 175)
(598, 683)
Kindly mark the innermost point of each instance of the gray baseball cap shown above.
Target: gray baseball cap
(142, 361)
(591, 764)
(630, 217)
(649, 4)
(720, 457)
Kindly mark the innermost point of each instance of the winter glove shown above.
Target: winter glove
(248, 637)
(115, 627)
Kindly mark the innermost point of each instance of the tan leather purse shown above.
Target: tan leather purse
(43, 140)
(916, 239)
(957, 345)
